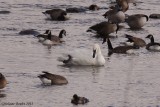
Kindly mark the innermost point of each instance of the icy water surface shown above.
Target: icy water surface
(124, 81)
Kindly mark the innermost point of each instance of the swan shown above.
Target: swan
(81, 57)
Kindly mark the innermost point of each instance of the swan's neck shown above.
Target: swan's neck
(99, 57)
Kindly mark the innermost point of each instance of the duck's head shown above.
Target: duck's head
(93, 7)
(75, 96)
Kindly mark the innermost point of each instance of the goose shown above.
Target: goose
(132, 1)
(123, 4)
(136, 21)
(85, 58)
(44, 36)
(52, 79)
(59, 39)
(53, 39)
(3, 81)
(135, 40)
(120, 49)
(79, 100)
(115, 15)
(56, 14)
(103, 29)
(153, 46)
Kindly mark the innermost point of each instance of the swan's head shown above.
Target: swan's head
(96, 49)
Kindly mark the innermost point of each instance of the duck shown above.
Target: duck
(52, 79)
(115, 15)
(79, 100)
(103, 29)
(93, 7)
(56, 14)
(152, 46)
(119, 49)
(53, 39)
(135, 40)
(86, 58)
(136, 21)
(3, 81)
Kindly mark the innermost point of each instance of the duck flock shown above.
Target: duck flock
(115, 16)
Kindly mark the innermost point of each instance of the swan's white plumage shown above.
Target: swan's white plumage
(85, 57)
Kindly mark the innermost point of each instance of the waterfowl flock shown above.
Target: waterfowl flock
(114, 16)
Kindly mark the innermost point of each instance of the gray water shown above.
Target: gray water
(124, 81)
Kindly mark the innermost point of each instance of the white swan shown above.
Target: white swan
(80, 57)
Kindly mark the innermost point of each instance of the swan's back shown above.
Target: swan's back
(84, 57)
